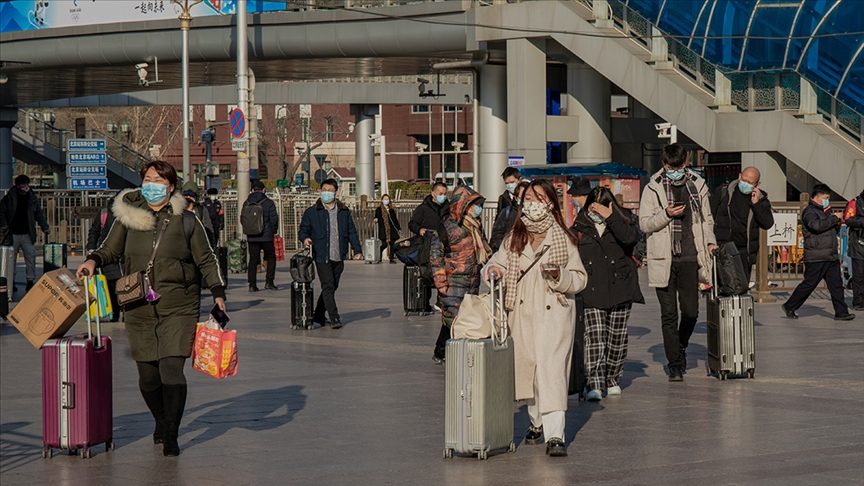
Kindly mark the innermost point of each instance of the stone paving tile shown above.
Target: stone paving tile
(364, 405)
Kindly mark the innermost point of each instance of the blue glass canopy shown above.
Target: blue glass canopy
(822, 40)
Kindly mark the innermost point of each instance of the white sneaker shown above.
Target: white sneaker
(594, 396)
(613, 390)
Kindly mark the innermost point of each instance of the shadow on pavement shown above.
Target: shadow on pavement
(234, 306)
(633, 370)
(695, 352)
(380, 313)
(17, 448)
(637, 331)
(258, 410)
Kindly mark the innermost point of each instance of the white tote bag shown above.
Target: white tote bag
(480, 316)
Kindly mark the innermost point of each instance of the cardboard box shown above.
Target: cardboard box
(50, 308)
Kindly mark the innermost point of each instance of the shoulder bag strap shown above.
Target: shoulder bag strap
(156, 246)
(536, 259)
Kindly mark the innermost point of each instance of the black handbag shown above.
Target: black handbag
(133, 288)
(731, 277)
(302, 267)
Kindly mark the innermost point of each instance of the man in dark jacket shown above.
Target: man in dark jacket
(429, 216)
(20, 211)
(262, 241)
(217, 213)
(821, 260)
(854, 216)
(329, 229)
(507, 208)
(190, 193)
(100, 225)
(740, 208)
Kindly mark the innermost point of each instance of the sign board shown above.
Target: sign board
(320, 176)
(80, 170)
(94, 158)
(239, 145)
(88, 183)
(86, 145)
(515, 160)
(237, 121)
(784, 231)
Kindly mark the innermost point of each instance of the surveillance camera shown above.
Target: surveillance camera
(420, 146)
(142, 73)
(662, 126)
(372, 137)
(422, 80)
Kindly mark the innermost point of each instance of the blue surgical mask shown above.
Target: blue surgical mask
(154, 192)
(745, 187)
(595, 217)
(511, 188)
(478, 210)
(327, 196)
(675, 175)
(826, 203)
(441, 199)
(386, 202)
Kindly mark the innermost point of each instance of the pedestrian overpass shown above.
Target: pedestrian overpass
(779, 120)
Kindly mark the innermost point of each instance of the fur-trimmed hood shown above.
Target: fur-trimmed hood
(132, 211)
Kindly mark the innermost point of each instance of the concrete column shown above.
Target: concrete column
(492, 129)
(364, 156)
(589, 97)
(772, 166)
(526, 99)
(8, 118)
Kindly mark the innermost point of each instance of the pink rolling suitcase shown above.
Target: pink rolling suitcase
(77, 410)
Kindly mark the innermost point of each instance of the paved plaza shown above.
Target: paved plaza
(364, 405)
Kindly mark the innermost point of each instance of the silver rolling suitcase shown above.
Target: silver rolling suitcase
(372, 246)
(7, 267)
(731, 335)
(480, 390)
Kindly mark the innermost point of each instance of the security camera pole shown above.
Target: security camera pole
(243, 104)
(185, 23)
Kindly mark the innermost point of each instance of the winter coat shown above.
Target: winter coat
(394, 225)
(315, 225)
(271, 217)
(543, 330)
(654, 222)
(455, 269)
(429, 215)
(166, 327)
(820, 234)
(8, 206)
(97, 234)
(508, 208)
(759, 216)
(613, 278)
(855, 222)
(217, 214)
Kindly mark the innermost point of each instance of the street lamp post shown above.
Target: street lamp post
(185, 23)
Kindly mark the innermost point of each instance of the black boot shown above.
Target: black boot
(154, 402)
(174, 397)
(441, 344)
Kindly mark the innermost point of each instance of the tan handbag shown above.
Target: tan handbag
(133, 288)
(482, 316)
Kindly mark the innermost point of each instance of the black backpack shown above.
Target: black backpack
(731, 277)
(302, 268)
(252, 219)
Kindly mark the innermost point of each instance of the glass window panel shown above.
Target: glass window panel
(730, 19)
(679, 16)
(701, 27)
(808, 19)
(852, 91)
(768, 22)
(827, 57)
(648, 8)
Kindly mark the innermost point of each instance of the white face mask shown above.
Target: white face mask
(535, 210)
(213, 197)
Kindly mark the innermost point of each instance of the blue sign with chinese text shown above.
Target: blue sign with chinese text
(88, 183)
(86, 171)
(86, 145)
(75, 158)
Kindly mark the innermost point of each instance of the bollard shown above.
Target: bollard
(763, 293)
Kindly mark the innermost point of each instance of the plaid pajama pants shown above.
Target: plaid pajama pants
(605, 345)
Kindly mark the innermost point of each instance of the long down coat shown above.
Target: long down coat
(542, 328)
(166, 327)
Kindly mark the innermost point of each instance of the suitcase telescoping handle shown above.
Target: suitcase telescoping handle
(496, 306)
(87, 280)
(714, 295)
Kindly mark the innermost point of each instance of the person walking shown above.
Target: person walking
(217, 213)
(821, 258)
(428, 217)
(263, 241)
(456, 262)
(854, 216)
(161, 329)
(190, 193)
(607, 236)
(675, 214)
(542, 272)
(579, 190)
(507, 207)
(388, 226)
(328, 228)
(20, 212)
(99, 227)
(740, 209)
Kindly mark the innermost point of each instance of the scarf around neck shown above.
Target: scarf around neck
(557, 254)
(482, 251)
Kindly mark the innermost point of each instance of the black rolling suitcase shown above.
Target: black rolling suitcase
(301, 305)
(415, 291)
(578, 378)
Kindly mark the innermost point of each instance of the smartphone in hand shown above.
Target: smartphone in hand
(219, 316)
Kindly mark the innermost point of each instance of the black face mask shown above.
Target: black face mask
(190, 200)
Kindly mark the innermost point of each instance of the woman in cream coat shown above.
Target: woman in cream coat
(541, 309)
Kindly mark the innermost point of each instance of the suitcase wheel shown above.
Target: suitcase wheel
(448, 453)
(482, 455)
(47, 453)
(512, 447)
(723, 375)
(751, 374)
(109, 446)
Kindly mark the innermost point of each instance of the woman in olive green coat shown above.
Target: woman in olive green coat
(161, 333)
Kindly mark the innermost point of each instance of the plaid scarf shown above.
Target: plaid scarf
(482, 252)
(385, 218)
(557, 254)
(677, 224)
